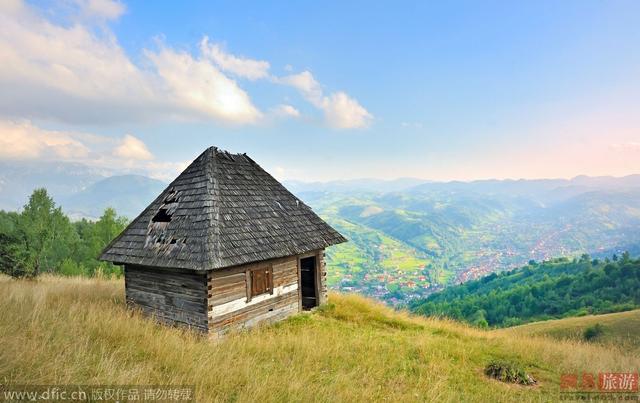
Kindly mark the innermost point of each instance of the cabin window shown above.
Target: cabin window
(261, 281)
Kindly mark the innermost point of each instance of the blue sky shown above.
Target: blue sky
(436, 90)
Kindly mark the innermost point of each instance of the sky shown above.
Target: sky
(319, 91)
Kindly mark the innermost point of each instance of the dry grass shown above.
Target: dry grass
(621, 329)
(78, 331)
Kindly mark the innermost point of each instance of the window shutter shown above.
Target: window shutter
(261, 281)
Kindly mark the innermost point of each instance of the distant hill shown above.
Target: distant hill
(360, 185)
(554, 289)
(128, 194)
(541, 190)
(19, 179)
(351, 350)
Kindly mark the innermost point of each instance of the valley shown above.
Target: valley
(410, 243)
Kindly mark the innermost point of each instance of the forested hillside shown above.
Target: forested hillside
(553, 289)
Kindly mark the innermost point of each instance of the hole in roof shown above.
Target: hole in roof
(159, 234)
(162, 216)
(172, 197)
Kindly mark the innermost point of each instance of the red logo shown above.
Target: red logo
(588, 382)
(568, 381)
(618, 382)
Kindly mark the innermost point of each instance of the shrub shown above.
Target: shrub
(509, 372)
(593, 332)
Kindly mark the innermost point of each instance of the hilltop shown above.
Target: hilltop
(78, 330)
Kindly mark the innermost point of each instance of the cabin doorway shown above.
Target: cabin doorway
(308, 276)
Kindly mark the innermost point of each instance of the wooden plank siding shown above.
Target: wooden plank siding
(217, 301)
(230, 305)
(172, 296)
(322, 277)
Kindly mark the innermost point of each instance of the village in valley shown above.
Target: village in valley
(395, 267)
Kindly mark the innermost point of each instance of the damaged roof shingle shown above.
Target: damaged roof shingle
(223, 210)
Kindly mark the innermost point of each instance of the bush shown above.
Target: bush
(508, 372)
(593, 332)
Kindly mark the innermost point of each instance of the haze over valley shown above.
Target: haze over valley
(408, 237)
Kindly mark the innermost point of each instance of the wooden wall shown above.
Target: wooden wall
(322, 277)
(217, 301)
(229, 305)
(172, 296)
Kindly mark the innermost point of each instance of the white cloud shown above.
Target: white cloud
(340, 110)
(238, 66)
(308, 86)
(132, 148)
(344, 112)
(64, 72)
(284, 110)
(25, 141)
(102, 9)
(22, 140)
(78, 73)
(72, 74)
(197, 85)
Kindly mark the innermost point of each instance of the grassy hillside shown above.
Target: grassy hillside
(621, 329)
(58, 330)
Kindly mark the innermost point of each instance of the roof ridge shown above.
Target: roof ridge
(212, 246)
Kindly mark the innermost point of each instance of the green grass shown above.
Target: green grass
(621, 329)
(79, 331)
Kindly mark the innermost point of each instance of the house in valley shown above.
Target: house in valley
(224, 246)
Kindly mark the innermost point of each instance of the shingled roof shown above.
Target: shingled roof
(223, 210)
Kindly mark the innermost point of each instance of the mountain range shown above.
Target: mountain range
(409, 237)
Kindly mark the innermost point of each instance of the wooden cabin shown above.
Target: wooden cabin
(224, 246)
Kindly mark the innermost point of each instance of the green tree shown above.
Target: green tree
(44, 236)
(104, 231)
(35, 230)
(479, 319)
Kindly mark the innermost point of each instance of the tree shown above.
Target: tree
(478, 319)
(44, 235)
(108, 227)
(35, 229)
(104, 231)
(9, 258)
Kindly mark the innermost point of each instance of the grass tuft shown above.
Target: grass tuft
(508, 372)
